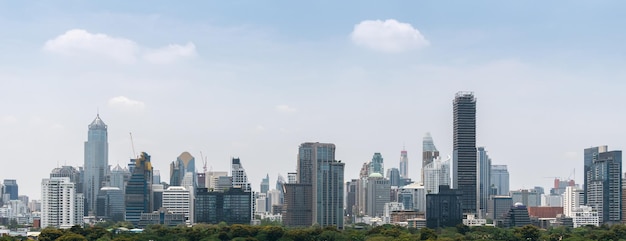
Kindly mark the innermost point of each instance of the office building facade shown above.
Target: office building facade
(604, 190)
(444, 209)
(96, 163)
(429, 153)
(377, 165)
(11, 189)
(138, 192)
(185, 163)
(464, 150)
(61, 206)
(404, 164)
(589, 154)
(110, 204)
(436, 173)
(484, 181)
(500, 179)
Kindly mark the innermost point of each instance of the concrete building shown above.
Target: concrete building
(61, 206)
(528, 197)
(404, 164)
(378, 194)
(516, 217)
(96, 161)
(212, 179)
(413, 197)
(162, 217)
(464, 146)
(589, 155)
(500, 179)
(498, 206)
(584, 216)
(389, 208)
(298, 204)
(178, 200)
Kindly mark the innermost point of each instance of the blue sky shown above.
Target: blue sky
(255, 79)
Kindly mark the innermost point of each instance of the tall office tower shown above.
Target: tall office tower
(118, 177)
(11, 188)
(377, 165)
(604, 190)
(183, 164)
(2, 194)
(61, 206)
(589, 154)
(404, 164)
(429, 152)
(231, 206)
(365, 170)
(444, 209)
(483, 180)
(138, 198)
(240, 180)
(322, 176)
(265, 184)
(464, 146)
(572, 199)
(378, 193)
(96, 161)
(393, 174)
(280, 180)
(436, 173)
(500, 179)
(178, 200)
(351, 192)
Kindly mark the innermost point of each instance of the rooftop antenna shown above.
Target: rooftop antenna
(132, 144)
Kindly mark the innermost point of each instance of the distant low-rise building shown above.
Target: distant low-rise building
(583, 216)
(162, 217)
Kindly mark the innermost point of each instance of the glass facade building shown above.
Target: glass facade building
(429, 152)
(184, 163)
(231, 206)
(464, 150)
(96, 161)
(377, 165)
(11, 188)
(500, 179)
(138, 198)
(604, 190)
(484, 180)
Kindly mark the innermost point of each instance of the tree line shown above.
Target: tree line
(223, 232)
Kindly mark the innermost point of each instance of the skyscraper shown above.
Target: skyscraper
(436, 173)
(429, 153)
(464, 146)
(265, 184)
(11, 188)
(320, 176)
(484, 180)
(138, 198)
(393, 174)
(572, 199)
(377, 165)
(96, 161)
(378, 193)
(184, 163)
(589, 154)
(500, 179)
(604, 190)
(404, 164)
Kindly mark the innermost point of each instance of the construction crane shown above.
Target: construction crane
(132, 144)
(204, 161)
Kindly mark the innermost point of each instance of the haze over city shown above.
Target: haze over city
(255, 80)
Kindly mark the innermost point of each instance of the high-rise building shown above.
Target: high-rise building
(444, 209)
(377, 165)
(240, 180)
(413, 197)
(498, 206)
(118, 177)
(589, 154)
(429, 152)
(484, 180)
(604, 190)
(265, 184)
(231, 206)
(500, 179)
(464, 146)
(184, 163)
(212, 178)
(528, 197)
(11, 188)
(351, 192)
(436, 173)
(572, 199)
(178, 200)
(322, 176)
(96, 161)
(138, 198)
(110, 204)
(393, 174)
(156, 177)
(404, 164)
(61, 206)
(378, 193)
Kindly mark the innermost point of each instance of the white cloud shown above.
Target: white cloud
(170, 53)
(125, 103)
(285, 108)
(260, 128)
(9, 119)
(388, 36)
(78, 42)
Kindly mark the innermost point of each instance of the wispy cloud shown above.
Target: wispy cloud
(125, 103)
(81, 43)
(388, 36)
(9, 119)
(285, 108)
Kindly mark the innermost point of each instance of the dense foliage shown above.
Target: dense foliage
(222, 232)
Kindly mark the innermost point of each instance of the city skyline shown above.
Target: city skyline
(255, 86)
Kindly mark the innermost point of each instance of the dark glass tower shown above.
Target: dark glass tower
(590, 153)
(138, 197)
(604, 190)
(464, 156)
(96, 161)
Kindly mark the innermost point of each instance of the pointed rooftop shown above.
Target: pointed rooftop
(97, 123)
(428, 144)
